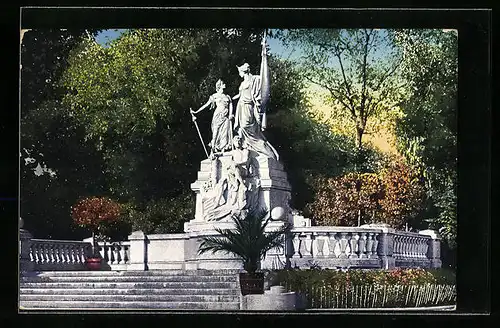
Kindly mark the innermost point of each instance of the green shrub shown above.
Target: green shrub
(166, 215)
(369, 288)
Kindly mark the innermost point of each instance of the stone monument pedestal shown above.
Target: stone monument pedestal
(263, 182)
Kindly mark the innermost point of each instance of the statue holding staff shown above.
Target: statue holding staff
(221, 121)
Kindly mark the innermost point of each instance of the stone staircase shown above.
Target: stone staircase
(158, 289)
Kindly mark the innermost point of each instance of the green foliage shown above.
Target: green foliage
(427, 133)
(51, 140)
(166, 215)
(133, 100)
(358, 67)
(349, 200)
(368, 288)
(301, 279)
(295, 129)
(248, 240)
(393, 195)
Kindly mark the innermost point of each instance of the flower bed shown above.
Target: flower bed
(369, 288)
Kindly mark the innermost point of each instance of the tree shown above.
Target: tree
(393, 195)
(307, 146)
(56, 167)
(427, 133)
(133, 100)
(359, 69)
(348, 200)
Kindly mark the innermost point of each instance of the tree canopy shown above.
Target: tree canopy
(427, 132)
(359, 68)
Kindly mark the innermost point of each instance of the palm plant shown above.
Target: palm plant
(248, 240)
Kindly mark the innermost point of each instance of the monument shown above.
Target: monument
(242, 171)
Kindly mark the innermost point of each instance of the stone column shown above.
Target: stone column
(138, 251)
(434, 250)
(25, 264)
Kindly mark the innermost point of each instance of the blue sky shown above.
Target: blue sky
(275, 46)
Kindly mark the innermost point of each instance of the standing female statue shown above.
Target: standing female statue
(248, 117)
(221, 121)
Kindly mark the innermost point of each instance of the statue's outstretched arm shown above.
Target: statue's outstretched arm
(203, 107)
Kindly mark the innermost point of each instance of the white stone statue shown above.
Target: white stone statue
(248, 115)
(221, 121)
(242, 172)
(227, 195)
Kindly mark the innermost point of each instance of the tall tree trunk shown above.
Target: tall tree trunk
(359, 136)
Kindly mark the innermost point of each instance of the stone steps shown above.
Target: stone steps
(63, 305)
(165, 289)
(228, 272)
(95, 279)
(128, 285)
(143, 291)
(130, 298)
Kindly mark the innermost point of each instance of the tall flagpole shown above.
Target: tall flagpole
(265, 82)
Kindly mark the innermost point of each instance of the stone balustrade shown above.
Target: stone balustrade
(369, 246)
(334, 247)
(50, 255)
(116, 255)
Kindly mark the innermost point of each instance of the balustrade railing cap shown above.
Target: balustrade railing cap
(384, 226)
(433, 234)
(137, 235)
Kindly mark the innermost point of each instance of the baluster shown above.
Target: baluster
(104, 251)
(407, 247)
(353, 240)
(400, 246)
(414, 244)
(332, 243)
(362, 245)
(32, 253)
(395, 252)
(73, 253)
(46, 253)
(421, 251)
(58, 254)
(114, 248)
(416, 247)
(420, 248)
(306, 245)
(76, 254)
(369, 244)
(320, 243)
(296, 246)
(50, 253)
(64, 257)
(126, 252)
(35, 252)
(375, 245)
(39, 253)
(82, 253)
(343, 245)
(62, 254)
(117, 248)
(410, 247)
(54, 253)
